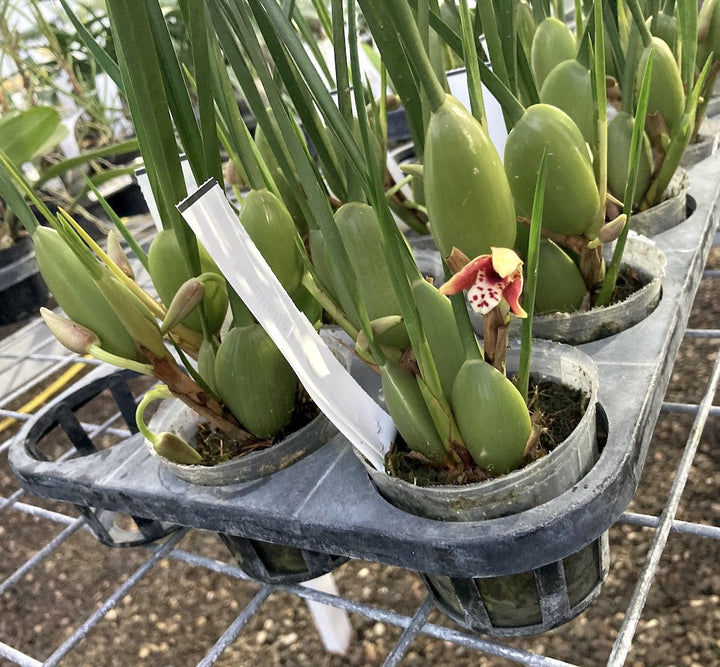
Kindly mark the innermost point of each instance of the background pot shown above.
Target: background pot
(22, 289)
(647, 261)
(553, 593)
(670, 212)
(641, 255)
(705, 144)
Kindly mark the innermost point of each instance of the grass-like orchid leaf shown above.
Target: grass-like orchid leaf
(531, 278)
(608, 286)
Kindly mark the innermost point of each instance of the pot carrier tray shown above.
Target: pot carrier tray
(326, 503)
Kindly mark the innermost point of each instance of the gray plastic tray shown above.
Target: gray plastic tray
(326, 502)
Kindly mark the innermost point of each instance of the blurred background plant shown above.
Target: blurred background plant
(44, 62)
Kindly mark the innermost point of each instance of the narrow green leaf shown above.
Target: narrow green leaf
(121, 227)
(353, 178)
(531, 278)
(687, 28)
(613, 37)
(639, 20)
(323, 16)
(197, 27)
(395, 59)
(178, 99)
(608, 286)
(309, 37)
(510, 104)
(85, 158)
(108, 65)
(148, 103)
(474, 84)
(238, 133)
(407, 31)
(16, 190)
(493, 41)
(598, 72)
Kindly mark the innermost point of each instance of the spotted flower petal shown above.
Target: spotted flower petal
(489, 279)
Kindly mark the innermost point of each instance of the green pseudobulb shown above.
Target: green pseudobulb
(492, 417)
(468, 198)
(572, 202)
(255, 381)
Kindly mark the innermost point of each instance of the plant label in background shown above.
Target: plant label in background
(355, 414)
(147, 193)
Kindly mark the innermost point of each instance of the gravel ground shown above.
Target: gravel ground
(175, 614)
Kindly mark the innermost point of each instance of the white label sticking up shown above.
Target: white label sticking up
(355, 414)
(147, 193)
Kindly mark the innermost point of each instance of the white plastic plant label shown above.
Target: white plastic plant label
(147, 193)
(355, 414)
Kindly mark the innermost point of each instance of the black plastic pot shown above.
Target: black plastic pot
(125, 201)
(124, 197)
(22, 289)
(279, 564)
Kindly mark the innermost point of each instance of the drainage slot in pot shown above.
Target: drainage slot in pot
(525, 603)
(276, 563)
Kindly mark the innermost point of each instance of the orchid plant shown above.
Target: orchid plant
(550, 80)
(449, 396)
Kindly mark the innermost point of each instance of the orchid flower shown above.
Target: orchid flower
(489, 279)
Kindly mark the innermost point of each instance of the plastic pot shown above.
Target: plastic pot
(648, 261)
(705, 144)
(279, 564)
(22, 289)
(670, 212)
(175, 416)
(265, 561)
(541, 481)
(519, 603)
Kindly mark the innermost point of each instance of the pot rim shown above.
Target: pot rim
(172, 409)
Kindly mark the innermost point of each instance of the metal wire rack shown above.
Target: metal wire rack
(32, 363)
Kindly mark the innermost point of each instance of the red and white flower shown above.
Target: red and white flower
(488, 280)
